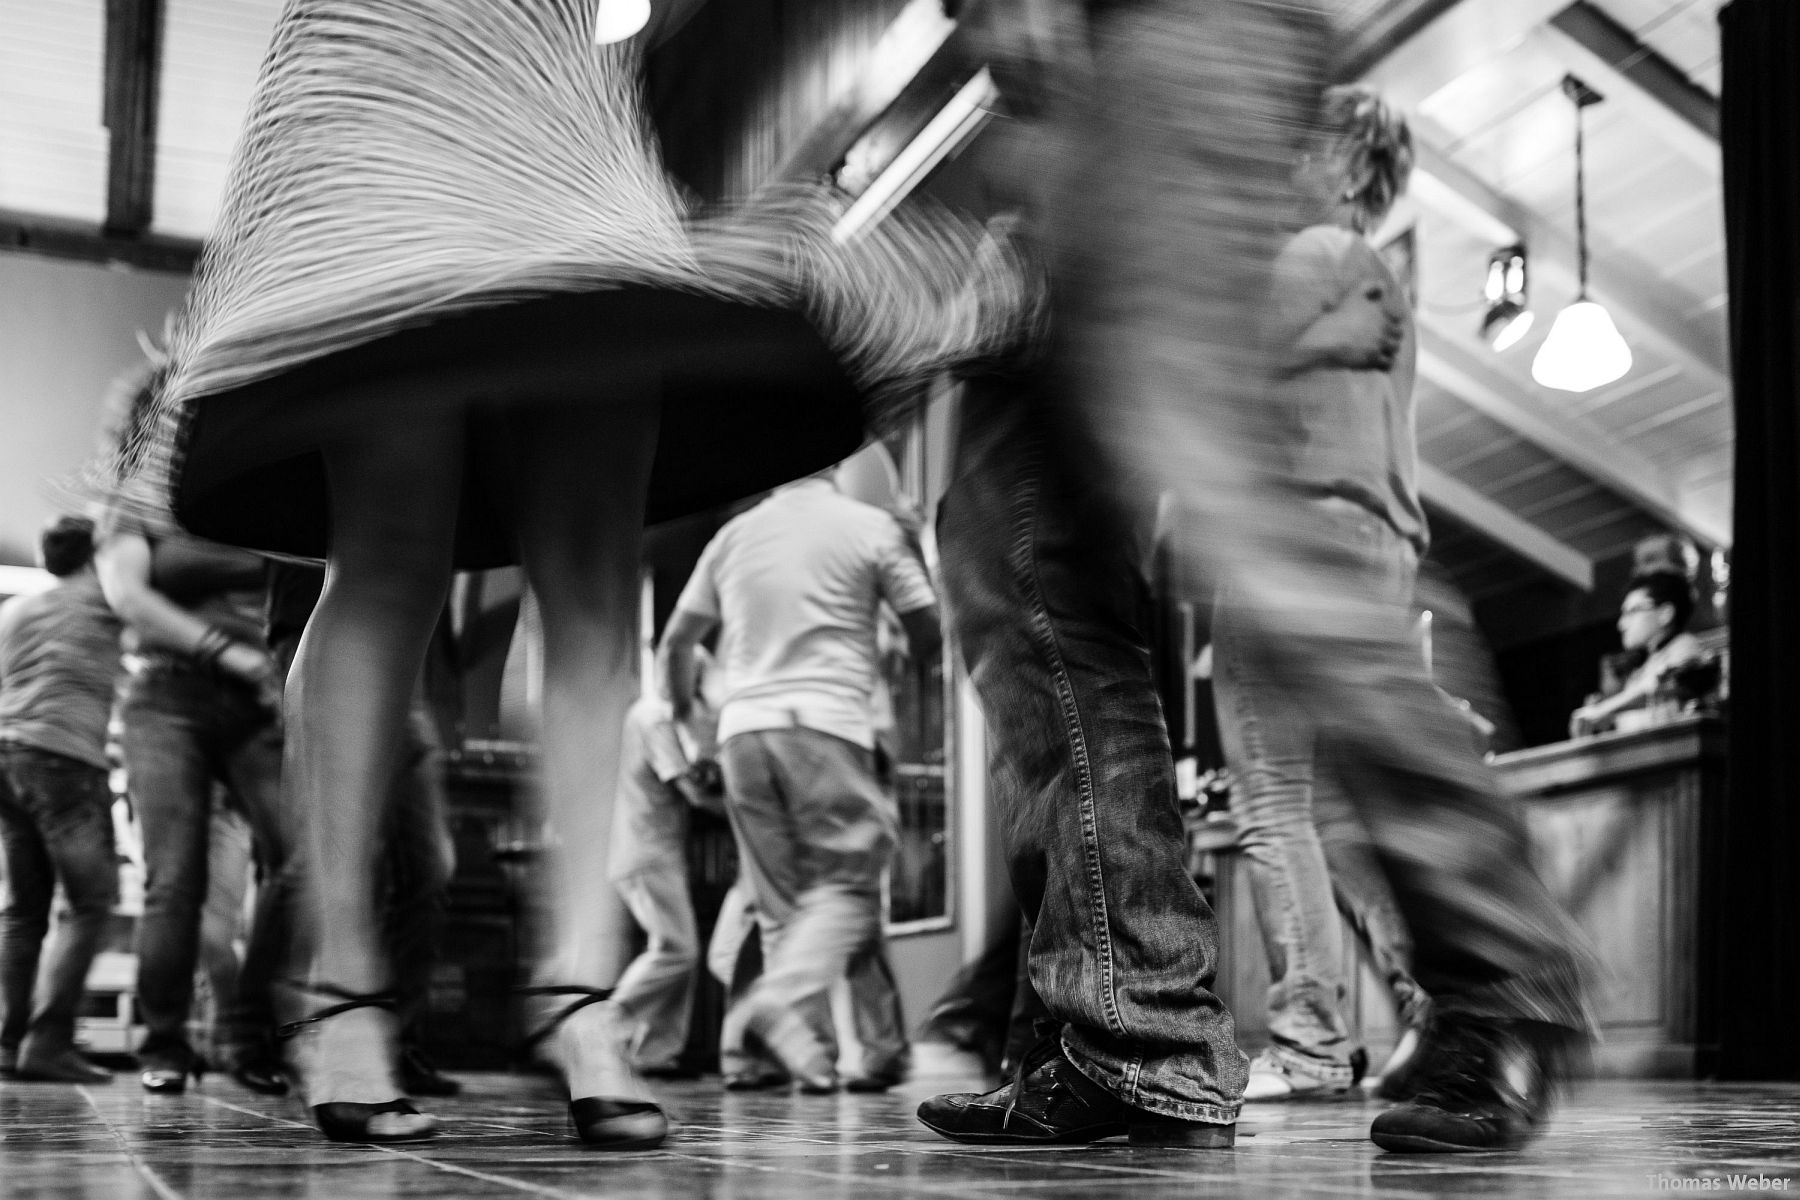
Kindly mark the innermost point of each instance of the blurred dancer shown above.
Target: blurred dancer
(1165, 184)
(794, 587)
(417, 859)
(59, 657)
(668, 768)
(375, 372)
(1342, 333)
(200, 706)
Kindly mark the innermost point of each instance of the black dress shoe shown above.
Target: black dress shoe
(756, 1079)
(1049, 1102)
(873, 1083)
(1482, 1085)
(419, 1076)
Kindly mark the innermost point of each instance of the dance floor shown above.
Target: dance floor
(506, 1138)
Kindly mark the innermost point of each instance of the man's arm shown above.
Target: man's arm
(123, 563)
(924, 632)
(675, 657)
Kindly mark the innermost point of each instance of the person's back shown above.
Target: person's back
(799, 581)
(59, 654)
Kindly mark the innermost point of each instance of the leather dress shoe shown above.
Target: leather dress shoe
(755, 1079)
(69, 1066)
(1481, 1085)
(1049, 1102)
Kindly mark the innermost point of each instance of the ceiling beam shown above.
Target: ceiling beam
(1500, 525)
(128, 110)
(1477, 382)
(1645, 304)
(1459, 39)
(1610, 59)
(55, 237)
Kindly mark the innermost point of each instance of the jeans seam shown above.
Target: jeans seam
(1025, 507)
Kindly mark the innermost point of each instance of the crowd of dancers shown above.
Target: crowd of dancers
(376, 372)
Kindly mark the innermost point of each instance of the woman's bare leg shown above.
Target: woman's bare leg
(580, 473)
(394, 498)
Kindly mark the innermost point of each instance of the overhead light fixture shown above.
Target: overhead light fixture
(1508, 319)
(1584, 350)
(943, 135)
(619, 20)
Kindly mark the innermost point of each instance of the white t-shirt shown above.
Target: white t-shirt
(795, 584)
(650, 818)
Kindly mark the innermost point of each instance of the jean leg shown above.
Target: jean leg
(1269, 743)
(253, 774)
(73, 807)
(171, 781)
(30, 885)
(1046, 603)
(1361, 888)
(656, 992)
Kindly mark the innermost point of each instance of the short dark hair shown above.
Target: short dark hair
(67, 545)
(1667, 587)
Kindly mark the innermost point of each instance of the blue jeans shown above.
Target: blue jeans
(1271, 743)
(186, 729)
(56, 827)
(1045, 597)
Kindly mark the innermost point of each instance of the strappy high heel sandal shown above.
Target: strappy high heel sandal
(612, 1122)
(354, 1121)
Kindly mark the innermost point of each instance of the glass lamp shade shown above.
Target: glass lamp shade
(1584, 350)
(617, 20)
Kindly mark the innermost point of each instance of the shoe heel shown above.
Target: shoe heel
(1191, 1135)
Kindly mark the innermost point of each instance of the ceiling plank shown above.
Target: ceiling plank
(1496, 523)
(1609, 59)
(1477, 382)
(1643, 302)
(1461, 38)
(133, 70)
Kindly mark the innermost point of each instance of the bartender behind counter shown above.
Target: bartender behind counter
(1653, 624)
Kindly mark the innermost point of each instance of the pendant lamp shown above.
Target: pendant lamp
(1584, 350)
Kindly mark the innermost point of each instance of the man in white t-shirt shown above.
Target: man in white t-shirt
(794, 587)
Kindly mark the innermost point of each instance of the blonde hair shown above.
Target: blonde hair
(1373, 146)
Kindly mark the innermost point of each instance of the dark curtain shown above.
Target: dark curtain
(1759, 954)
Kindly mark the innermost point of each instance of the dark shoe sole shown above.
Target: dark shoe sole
(1072, 1137)
(1418, 1143)
(618, 1124)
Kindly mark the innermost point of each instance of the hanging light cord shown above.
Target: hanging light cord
(1581, 249)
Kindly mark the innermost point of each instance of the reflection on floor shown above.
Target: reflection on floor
(506, 1138)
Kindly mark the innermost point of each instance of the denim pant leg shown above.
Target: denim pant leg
(252, 770)
(25, 919)
(167, 727)
(1046, 605)
(72, 807)
(1489, 940)
(656, 992)
(1269, 741)
(1361, 888)
(880, 1021)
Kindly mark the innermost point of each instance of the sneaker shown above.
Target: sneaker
(1272, 1078)
(1482, 1085)
(1049, 1102)
(419, 1076)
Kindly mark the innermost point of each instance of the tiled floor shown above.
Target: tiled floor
(506, 1138)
